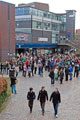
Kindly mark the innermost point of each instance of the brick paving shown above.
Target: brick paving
(69, 109)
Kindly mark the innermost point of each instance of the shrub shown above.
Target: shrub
(3, 85)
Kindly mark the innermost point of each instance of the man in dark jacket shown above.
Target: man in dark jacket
(61, 76)
(42, 97)
(31, 96)
(66, 73)
(13, 84)
(56, 99)
(76, 71)
(51, 75)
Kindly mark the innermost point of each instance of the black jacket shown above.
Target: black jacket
(13, 80)
(42, 96)
(51, 75)
(31, 96)
(66, 71)
(55, 97)
(61, 75)
(76, 69)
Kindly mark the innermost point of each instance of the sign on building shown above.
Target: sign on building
(42, 39)
(22, 36)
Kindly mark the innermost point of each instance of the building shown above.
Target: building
(37, 27)
(7, 30)
(77, 34)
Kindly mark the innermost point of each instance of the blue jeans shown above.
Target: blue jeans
(41, 73)
(55, 109)
(7, 71)
(70, 75)
(43, 107)
(13, 89)
(52, 80)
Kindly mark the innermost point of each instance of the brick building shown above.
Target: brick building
(7, 30)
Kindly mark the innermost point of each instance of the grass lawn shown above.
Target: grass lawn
(4, 97)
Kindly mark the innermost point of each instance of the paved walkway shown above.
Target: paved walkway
(69, 109)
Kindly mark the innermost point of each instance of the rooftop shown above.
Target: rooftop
(6, 2)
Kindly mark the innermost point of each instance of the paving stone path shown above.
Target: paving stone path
(69, 109)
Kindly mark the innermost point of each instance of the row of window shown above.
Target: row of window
(45, 25)
(40, 13)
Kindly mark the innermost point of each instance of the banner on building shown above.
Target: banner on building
(22, 36)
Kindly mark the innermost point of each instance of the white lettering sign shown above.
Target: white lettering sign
(43, 39)
(71, 15)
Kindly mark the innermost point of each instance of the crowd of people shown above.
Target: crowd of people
(59, 68)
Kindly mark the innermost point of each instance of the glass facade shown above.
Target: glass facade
(35, 12)
(22, 11)
(55, 37)
(55, 27)
(63, 18)
(46, 25)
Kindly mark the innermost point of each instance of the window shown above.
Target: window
(49, 15)
(33, 11)
(45, 15)
(40, 13)
(63, 27)
(46, 25)
(22, 11)
(54, 17)
(63, 18)
(37, 24)
(55, 27)
(23, 24)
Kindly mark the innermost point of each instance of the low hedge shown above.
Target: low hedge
(3, 85)
(2, 98)
(5, 92)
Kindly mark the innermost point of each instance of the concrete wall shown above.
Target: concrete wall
(70, 23)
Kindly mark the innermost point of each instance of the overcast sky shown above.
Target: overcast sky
(57, 6)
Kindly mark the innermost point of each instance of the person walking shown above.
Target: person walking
(13, 84)
(76, 71)
(32, 68)
(61, 76)
(70, 72)
(41, 70)
(66, 73)
(24, 70)
(31, 97)
(29, 71)
(51, 75)
(42, 96)
(56, 73)
(35, 67)
(56, 99)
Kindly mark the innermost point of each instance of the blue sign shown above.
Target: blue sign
(34, 45)
(69, 34)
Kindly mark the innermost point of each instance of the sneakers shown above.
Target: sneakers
(56, 116)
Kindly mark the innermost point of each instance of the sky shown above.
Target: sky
(57, 6)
